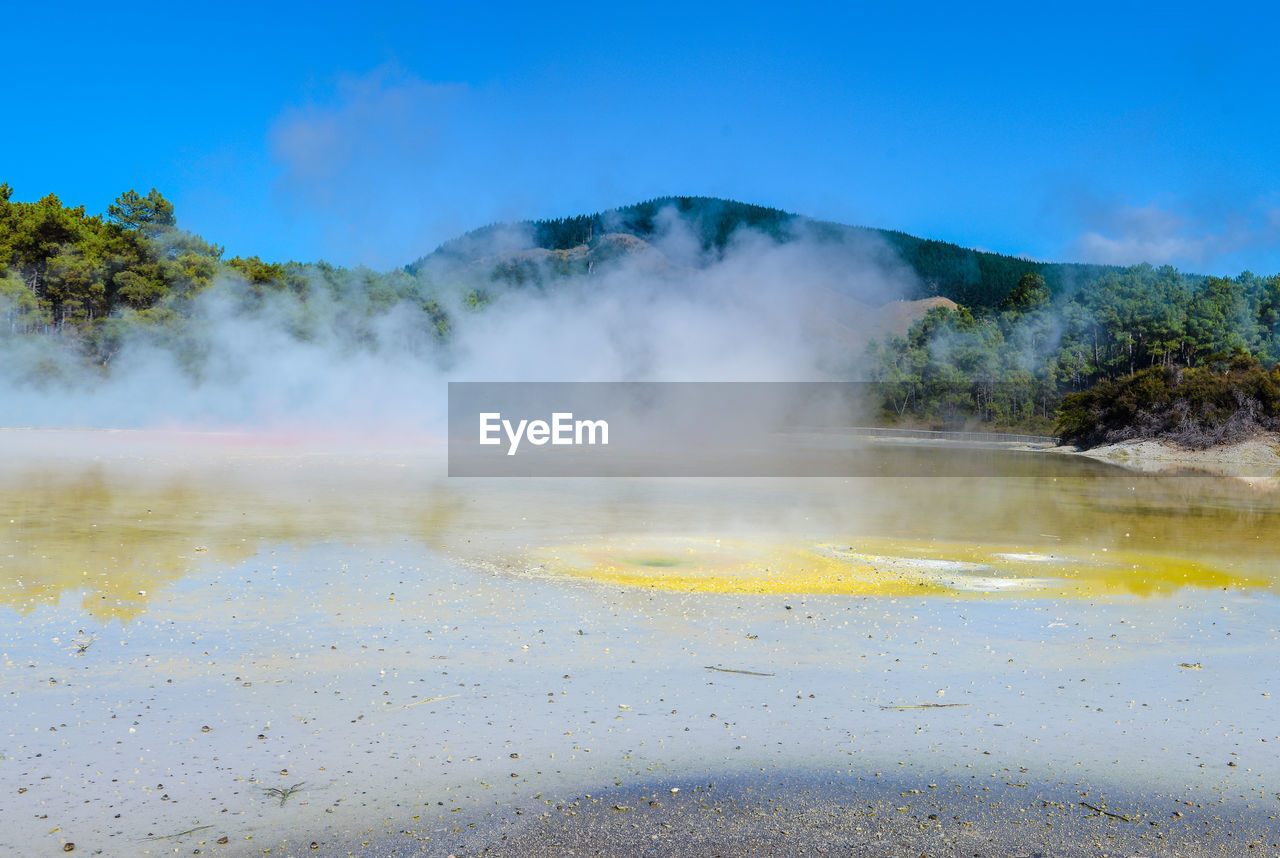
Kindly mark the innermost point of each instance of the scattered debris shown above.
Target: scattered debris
(283, 793)
(733, 670)
(428, 700)
(179, 834)
(1123, 817)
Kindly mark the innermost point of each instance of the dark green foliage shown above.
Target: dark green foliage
(564, 233)
(954, 369)
(971, 277)
(1228, 399)
(257, 272)
(79, 269)
(150, 215)
(91, 284)
(979, 279)
(1030, 293)
(712, 220)
(1044, 347)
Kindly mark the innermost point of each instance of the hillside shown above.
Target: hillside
(977, 279)
(955, 335)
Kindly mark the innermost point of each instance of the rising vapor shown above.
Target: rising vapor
(661, 310)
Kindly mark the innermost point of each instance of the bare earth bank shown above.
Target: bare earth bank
(1256, 458)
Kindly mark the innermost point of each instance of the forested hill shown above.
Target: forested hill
(974, 278)
(1002, 341)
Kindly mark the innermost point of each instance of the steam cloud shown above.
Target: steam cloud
(758, 311)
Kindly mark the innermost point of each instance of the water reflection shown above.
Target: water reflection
(114, 528)
(116, 532)
(265, 615)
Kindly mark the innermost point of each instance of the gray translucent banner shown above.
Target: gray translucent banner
(710, 429)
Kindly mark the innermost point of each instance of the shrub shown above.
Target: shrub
(1229, 399)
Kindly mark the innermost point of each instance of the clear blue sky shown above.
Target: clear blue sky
(1107, 132)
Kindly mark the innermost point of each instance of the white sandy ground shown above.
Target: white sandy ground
(396, 689)
(1256, 460)
(411, 690)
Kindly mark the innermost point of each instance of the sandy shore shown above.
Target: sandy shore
(1257, 458)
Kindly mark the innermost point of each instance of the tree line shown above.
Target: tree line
(93, 281)
(1012, 366)
(1018, 345)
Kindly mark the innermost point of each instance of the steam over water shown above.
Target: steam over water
(261, 617)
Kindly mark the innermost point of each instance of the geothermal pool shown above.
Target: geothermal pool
(238, 645)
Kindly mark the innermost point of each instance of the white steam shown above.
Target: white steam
(758, 311)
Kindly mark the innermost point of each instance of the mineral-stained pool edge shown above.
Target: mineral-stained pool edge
(357, 624)
(412, 699)
(873, 567)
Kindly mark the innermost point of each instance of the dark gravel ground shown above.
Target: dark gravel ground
(791, 816)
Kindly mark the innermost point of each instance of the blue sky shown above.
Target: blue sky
(1104, 132)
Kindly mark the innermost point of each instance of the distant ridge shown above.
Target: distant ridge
(974, 278)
